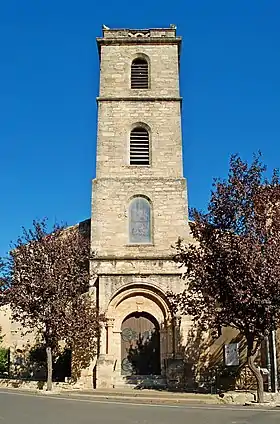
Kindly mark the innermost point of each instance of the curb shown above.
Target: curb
(139, 397)
(146, 398)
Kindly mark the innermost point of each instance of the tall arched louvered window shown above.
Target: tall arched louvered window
(139, 147)
(140, 221)
(139, 74)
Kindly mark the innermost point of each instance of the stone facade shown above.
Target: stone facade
(131, 278)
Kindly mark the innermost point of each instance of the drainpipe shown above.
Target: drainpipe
(173, 337)
(268, 362)
(274, 361)
(176, 326)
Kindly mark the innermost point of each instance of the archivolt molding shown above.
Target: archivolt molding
(148, 291)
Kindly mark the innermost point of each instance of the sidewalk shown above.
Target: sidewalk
(162, 397)
(148, 395)
(124, 396)
(140, 396)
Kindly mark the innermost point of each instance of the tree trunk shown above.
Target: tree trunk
(251, 356)
(49, 371)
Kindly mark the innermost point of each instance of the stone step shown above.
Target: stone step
(156, 382)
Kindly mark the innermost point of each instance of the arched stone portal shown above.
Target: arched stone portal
(140, 345)
(136, 313)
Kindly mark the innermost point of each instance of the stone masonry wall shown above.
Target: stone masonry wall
(129, 277)
(111, 198)
(109, 286)
(115, 70)
(116, 120)
(121, 109)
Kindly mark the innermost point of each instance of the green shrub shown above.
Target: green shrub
(4, 360)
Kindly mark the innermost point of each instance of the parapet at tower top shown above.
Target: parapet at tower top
(124, 36)
(120, 33)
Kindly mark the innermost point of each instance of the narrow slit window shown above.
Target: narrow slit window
(139, 147)
(139, 74)
(140, 221)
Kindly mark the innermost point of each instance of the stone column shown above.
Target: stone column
(103, 337)
(177, 336)
(109, 339)
(169, 338)
(118, 350)
(163, 349)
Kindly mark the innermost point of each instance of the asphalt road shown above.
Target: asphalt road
(23, 408)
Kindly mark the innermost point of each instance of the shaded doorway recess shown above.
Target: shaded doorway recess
(140, 345)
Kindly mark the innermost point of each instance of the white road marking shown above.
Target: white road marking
(206, 408)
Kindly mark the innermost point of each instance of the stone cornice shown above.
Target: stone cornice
(132, 258)
(138, 99)
(137, 275)
(140, 178)
(138, 40)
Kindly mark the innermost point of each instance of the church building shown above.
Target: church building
(139, 210)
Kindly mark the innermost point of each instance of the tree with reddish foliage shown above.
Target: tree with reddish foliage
(232, 269)
(47, 275)
(3, 283)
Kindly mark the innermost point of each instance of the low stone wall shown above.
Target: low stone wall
(37, 385)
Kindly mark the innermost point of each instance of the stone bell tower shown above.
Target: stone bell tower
(139, 203)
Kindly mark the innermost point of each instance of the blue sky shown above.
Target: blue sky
(230, 81)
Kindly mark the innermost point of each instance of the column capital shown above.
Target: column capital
(110, 322)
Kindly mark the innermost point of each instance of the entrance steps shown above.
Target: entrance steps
(156, 382)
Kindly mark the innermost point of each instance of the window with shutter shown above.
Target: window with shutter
(139, 74)
(139, 147)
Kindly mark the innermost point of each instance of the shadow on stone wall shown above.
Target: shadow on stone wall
(29, 363)
(144, 356)
(197, 365)
(201, 366)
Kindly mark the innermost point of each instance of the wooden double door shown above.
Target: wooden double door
(140, 345)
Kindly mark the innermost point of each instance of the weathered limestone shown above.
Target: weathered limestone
(134, 278)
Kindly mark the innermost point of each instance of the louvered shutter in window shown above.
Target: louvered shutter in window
(139, 147)
(139, 74)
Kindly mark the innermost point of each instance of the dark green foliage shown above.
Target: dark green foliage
(4, 361)
(4, 358)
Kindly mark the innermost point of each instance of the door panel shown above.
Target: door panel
(140, 345)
